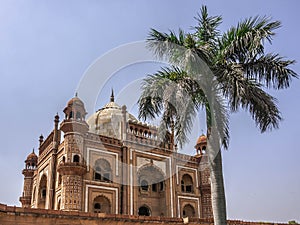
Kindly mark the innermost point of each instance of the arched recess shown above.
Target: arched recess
(42, 194)
(150, 178)
(58, 204)
(187, 183)
(33, 195)
(144, 211)
(102, 170)
(188, 211)
(76, 158)
(101, 204)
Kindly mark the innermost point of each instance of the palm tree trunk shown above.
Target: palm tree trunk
(217, 191)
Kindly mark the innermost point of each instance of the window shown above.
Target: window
(144, 211)
(182, 186)
(101, 205)
(204, 149)
(106, 177)
(188, 188)
(76, 158)
(150, 179)
(44, 193)
(161, 185)
(187, 183)
(71, 115)
(78, 116)
(102, 171)
(97, 207)
(188, 211)
(98, 173)
(154, 187)
(144, 185)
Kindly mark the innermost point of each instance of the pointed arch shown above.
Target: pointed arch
(101, 204)
(42, 193)
(102, 170)
(76, 158)
(187, 183)
(150, 178)
(144, 210)
(188, 211)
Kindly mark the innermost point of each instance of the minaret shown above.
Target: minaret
(30, 167)
(73, 167)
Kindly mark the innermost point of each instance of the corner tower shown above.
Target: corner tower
(205, 186)
(28, 172)
(72, 166)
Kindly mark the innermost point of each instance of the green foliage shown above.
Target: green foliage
(241, 71)
(292, 222)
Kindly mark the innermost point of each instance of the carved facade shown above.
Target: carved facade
(114, 164)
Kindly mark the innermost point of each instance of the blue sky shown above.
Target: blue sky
(46, 47)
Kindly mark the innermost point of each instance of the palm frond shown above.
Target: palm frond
(248, 94)
(247, 38)
(206, 31)
(176, 96)
(175, 48)
(271, 70)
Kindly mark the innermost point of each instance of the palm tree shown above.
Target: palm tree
(220, 72)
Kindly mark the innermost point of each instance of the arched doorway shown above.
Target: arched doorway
(144, 211)
(42, 194)
(188, 211)
(101, 204)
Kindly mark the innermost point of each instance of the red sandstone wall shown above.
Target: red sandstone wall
(25, 216)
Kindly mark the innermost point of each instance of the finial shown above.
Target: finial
(32, 150)
(112, 97)
(41, 139)
(56, 118)
(76, 94)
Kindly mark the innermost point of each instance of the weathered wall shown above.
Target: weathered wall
(25, 216)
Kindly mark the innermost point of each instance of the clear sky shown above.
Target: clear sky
(46, 46)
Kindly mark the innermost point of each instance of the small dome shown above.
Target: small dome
(75, 109)
(31, 161)
(75, 101)
(32, 156)
(201, 139)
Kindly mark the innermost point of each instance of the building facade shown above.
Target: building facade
(112, 163)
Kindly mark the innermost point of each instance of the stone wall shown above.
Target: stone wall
(26, 216)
